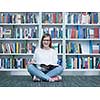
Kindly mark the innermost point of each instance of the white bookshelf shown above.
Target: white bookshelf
(61, 40)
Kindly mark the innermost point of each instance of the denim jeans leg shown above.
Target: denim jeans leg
(35, 71)
(55, 71)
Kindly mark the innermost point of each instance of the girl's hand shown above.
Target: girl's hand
(31, 62)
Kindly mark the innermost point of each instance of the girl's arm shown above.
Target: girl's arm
(32, 61)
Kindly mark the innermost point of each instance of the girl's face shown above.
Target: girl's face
(46, 42)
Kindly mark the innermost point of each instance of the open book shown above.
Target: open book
(47, 66)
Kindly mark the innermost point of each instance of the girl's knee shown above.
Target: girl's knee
(61, 68)
(29, 66)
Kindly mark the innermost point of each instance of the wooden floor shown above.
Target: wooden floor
(68, 81)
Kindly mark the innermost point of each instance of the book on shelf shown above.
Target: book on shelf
(69, 63)
(0, 64)
(19, 63)
(58, 47)
(31, 47)
(60, 62)
(1, 32)
(96, 32)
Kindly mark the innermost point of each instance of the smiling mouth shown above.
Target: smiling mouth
(46, 43)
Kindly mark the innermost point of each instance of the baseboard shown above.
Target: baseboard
(25, 73)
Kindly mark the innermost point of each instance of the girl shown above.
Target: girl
(44, 66)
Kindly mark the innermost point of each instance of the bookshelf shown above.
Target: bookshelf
(19, 36)
(82, 42)
(75, 35)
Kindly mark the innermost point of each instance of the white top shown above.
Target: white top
(47, 57)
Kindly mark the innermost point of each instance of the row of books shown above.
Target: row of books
(26, 17)
(29, 17)
(89, 47)
(13, 63)
(29, 47)
(73, 47)
(51, 17)
(17, 47)
(19, 32)
(82, 17)
(55, 17)
(23, 47)
(17, 63)
(55, 32)
(83, 62)
(83, 32)
(30, 32)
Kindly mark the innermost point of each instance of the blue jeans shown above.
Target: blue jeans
(34, 71)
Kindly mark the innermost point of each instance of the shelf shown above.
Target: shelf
(72, 24)
(19, 24)
(50, 24)
(21, 54)
(19, 39)
(56, 29)
(81, 70)
(78, 39)
(67, 72)
(16, 54)
(74, 54)
(57, 39)
(13, 69)
(60, 54)
(64, 69)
